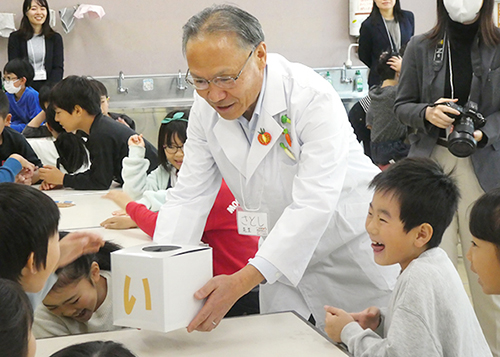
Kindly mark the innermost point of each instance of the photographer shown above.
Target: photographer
(457, 61)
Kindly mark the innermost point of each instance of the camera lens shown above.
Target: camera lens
(461, 142)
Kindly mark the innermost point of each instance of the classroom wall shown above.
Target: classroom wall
(144, 37)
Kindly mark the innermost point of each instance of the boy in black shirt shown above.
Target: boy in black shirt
(13, 142)
(76, 102)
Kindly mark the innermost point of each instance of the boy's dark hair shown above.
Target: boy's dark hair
(28, 219)
(95, 349)
(44, 95)
(26, 30)
(4, 105)
(70, 147)
(425, 194)
(21, 68)
(75, 90)
(383, 69)
(167, 133)
(80, 268)
(101, 88)
(16, 318)
(484, 220)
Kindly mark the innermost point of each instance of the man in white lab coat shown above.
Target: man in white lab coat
(309, 182)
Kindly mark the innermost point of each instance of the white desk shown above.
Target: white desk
(89, 209)
(282, 334)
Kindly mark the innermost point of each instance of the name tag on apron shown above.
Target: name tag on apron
(252, 223)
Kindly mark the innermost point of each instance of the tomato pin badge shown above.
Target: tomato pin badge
(264, 137)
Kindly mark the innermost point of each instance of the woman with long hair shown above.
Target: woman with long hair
(457, 63)
(37, 42)
(388, 28)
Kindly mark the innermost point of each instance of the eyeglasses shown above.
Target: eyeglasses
(172, 150)
(226, 82)
(9, 79)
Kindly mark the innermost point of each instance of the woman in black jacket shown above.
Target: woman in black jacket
(37, 42)
(388, 28)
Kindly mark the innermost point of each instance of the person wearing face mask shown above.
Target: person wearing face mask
(456, 62)
(388, 28)
(37, 42)
(23, 99)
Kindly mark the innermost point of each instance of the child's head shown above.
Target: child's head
(103, 93)
(383, 69)
(95, 349)
(413, 204)
(73, 98)
(80, 289)
(16, 318)
(29, 241)
(484, 253)
(17, 74)
(70, 147)
(172, 136)
(4, 111)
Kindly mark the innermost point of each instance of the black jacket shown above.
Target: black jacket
(54, 54)
(108, 145)
(373, 40)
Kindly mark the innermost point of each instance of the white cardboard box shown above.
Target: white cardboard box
(153, 285)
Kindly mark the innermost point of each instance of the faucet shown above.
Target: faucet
(347, 64)
(121, 77)
(180, 82)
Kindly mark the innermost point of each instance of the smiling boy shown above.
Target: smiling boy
(429, 312)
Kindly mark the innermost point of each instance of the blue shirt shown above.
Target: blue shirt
(24, 109)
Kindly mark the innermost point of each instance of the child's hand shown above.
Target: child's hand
(395, 63)
(119, 212)
(45, 186)
(136, 140)
(368, 318)
(28, 167)
(335, 321)
(122, 121)
(51, 174)
(119, 197)
(121, 222)
(76, 244)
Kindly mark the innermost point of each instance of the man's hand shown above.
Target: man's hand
(119, 197)
(368, 318)
(335, 321)
(222, 292)
(51, 174)
(119, 222)
(136, 140)
(76, 244)
(437, 114)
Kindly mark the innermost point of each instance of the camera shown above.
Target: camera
(461, 142)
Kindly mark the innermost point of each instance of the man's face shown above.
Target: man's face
(220, 55)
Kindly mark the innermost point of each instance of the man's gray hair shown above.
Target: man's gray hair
(224, 18)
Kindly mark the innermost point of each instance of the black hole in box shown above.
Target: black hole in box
(160, 248)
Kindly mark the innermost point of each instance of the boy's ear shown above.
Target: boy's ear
(23, 80)
(8, 119)
(77, 110)
(95, 272)
(424, 235)
(30, 268)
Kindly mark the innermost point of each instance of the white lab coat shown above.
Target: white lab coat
(316, 205)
